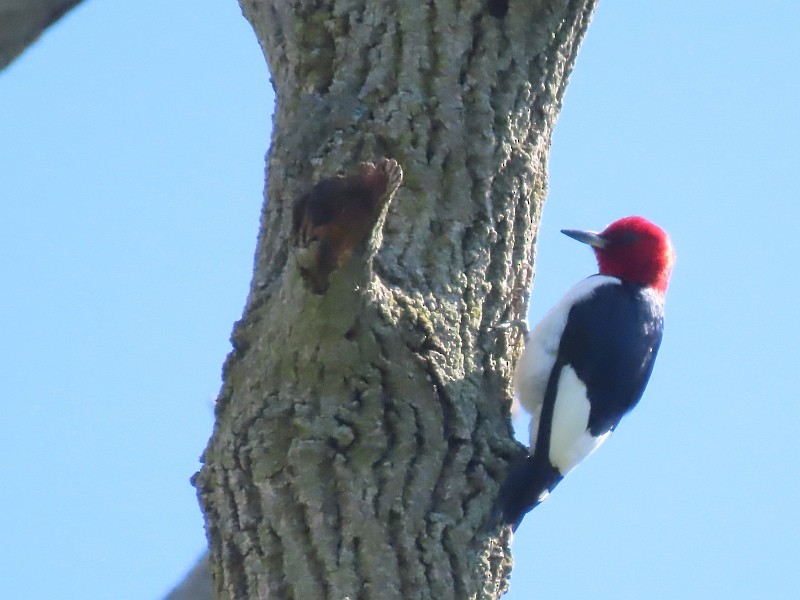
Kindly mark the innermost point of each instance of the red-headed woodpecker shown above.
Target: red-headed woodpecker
(587, 362)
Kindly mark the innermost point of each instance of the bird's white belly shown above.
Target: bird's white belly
(537, 360)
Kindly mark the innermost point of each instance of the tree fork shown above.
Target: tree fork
(362, 427)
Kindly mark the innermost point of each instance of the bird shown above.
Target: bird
(587, 362)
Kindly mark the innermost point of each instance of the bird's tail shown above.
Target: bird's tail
(528, 482)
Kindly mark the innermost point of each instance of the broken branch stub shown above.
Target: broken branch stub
(339, 216)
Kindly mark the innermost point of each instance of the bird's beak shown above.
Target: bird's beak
(595, 240)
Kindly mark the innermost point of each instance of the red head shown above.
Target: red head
(633, 249)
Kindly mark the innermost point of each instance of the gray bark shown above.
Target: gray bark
(362, 428)
(23, 21)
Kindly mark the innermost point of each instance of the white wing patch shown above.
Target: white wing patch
(537, 360)
(570, 439)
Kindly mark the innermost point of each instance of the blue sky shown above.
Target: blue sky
(133, 137)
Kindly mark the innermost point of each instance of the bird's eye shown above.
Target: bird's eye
(628, 237)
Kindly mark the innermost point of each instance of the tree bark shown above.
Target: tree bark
(23, 21)
(362, 427)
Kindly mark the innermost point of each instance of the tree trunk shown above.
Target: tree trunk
(23, 21)
(362, 428)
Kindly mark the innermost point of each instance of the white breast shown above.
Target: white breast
(537, 360)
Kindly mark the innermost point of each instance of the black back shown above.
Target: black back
(611, 340)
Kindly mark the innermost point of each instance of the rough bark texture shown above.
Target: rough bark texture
(362, 428)
(23, 21)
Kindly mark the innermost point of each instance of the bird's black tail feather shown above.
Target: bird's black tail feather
(528, 481)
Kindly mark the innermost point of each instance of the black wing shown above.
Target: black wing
(611, 340)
